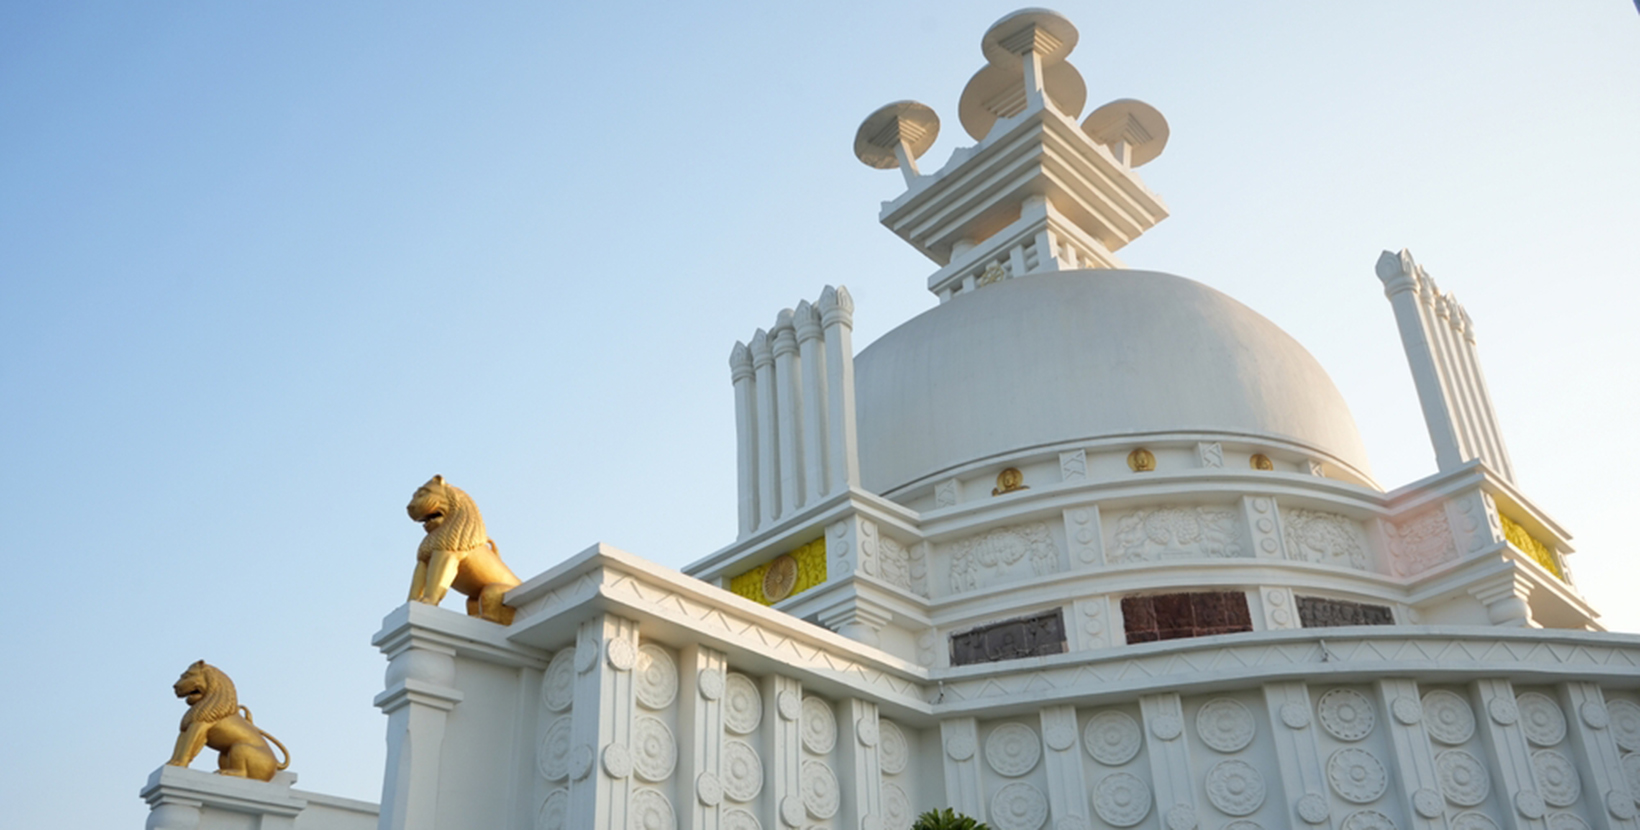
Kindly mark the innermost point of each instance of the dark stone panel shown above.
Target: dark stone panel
(1032, 636)
(1316, 612)
(1146, 619)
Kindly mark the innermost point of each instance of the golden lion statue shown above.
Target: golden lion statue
(216, 720)
(458, 553)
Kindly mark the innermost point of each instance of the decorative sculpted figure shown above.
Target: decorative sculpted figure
(1008, 481)
(1260, 461)
(458, 553)
(1142, 461)
(216, 720)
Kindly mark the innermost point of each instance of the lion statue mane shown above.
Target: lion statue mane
(215, 719)
(458, 553)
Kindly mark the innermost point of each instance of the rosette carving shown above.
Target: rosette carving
(1013, 749)
(1111, 737)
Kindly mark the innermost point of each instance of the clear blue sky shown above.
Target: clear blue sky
(268, 267)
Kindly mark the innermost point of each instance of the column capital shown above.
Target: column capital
(836, 307)
(740, 363)
(760, 349)
(807, 320)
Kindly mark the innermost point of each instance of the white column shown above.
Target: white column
(1067, 789)
(1600, 761)
(1398, 274)
(858, 770)
(1169, 760)
(600, 786)
(740, 370)
(768, 474)
(1298, 758)
(1440, 307)
(417, 701)
(964, 787)
(811, 355)
(837, 316)
(783, 751)
(1498, 721)
(701, 672)
(1414, 759)
(788, 408)
(1489, 417)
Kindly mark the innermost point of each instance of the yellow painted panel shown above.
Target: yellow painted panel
(1518, 537)
(811, 571)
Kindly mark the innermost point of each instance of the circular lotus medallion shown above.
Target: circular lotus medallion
(1225, 725)
(651, 811)
(819, 726)
(892, 750)
(1013, 749)
(1346, 714)
(1463, 778)
(1019, 806)
(1448, 717)
(657, 677)
(742, 707)
(1356, 775)
(1235, 787)
(742, 771)
(1122, 800)
(1111, 737)
(558, 682)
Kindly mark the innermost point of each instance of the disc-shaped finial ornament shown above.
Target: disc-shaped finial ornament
(881, 133)
(1047, 33)
(1133, 122)
(996, 92)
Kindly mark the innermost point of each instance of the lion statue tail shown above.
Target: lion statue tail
(245, 710)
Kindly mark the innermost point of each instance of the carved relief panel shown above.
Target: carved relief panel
(1421, 541)
(1325, 538)
(1005, 554)
(1174, 532)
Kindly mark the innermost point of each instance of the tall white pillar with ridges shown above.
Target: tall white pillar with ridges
(768, 474)
(811, 355)
(788, 405)
(842, 448)
(1399, 275)
(742, 374)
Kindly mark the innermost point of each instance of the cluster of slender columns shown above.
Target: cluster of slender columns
(1439, 339)
(794, 410)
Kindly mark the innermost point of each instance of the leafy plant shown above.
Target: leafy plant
(947, 820)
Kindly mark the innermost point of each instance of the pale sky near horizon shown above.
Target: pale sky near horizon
(268, 267)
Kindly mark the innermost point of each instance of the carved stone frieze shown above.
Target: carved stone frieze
(1010, 640)
(1421, 541)
(1175, 532)
(894, 562)
(1003, 554)
(1324, 538)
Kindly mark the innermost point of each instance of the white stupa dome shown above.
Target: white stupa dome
(1074, 356)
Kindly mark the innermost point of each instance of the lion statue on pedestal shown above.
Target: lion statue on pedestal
(216, 720)
(458, 553)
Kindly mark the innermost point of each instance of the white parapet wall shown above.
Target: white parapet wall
(629, 695)
(188, 799)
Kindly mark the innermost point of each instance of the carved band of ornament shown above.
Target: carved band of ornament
(1529, 545)
(1422, 541)
(784, 576)
(1325, 538)
(1003, 552)
(1171, 531)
